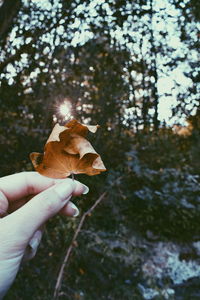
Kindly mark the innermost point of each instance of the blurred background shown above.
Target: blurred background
(133, 68)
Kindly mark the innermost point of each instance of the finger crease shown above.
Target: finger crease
(3, 204)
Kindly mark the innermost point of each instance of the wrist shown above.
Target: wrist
(8, 272)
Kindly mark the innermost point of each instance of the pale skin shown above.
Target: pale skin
(27, 201)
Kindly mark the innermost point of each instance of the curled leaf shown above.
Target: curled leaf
(67, 151)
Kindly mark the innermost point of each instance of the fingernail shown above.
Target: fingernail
(75, 210)
(34, 242)
(64, 189)
(86, 189)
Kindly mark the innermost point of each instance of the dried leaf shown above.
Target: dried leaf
(67, 151)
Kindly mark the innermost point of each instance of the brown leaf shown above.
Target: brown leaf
(67, 151)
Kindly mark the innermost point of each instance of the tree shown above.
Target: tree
(8, 12)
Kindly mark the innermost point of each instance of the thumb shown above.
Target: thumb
(26, 220)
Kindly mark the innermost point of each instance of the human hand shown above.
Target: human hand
(27, 201)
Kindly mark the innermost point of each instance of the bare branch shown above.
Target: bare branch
(69, 250)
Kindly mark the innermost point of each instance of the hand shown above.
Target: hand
(27, 201)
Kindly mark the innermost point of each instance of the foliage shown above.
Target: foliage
(115, 63)
(166, 196)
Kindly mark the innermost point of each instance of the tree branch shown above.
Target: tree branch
(69, 250)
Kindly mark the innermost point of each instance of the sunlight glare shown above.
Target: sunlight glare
(65, 109)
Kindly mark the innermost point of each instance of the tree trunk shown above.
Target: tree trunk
(154, 72)
(8, 12)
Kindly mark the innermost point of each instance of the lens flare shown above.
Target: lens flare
(65, 109)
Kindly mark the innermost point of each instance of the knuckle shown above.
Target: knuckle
(50, 202)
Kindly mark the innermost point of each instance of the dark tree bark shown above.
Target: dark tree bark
(154, 71)
(8, 12)
(145, 98)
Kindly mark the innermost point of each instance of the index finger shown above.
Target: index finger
(23, 184)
